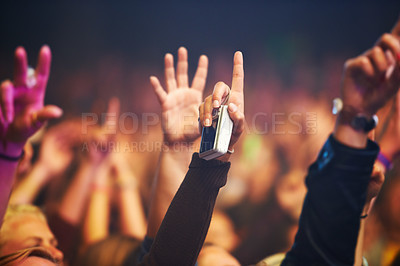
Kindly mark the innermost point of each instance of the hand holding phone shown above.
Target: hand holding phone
(223, 121)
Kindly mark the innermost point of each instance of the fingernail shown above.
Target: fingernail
(232, 107)
(215, 104)
(207, 122)
(58, 111)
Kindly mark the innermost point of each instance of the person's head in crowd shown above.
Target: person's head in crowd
(29, 257)
(222, 232)
(25, 226)
(290, 191)
(213, 255)
(112, 250)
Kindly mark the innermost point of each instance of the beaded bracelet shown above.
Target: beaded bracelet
(385, 161)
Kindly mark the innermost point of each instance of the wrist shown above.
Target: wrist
(385, 161)
(11, 149)
(100, 188)
(127, 183)
(357, 119)
(346, 135)
(227, 156)
(389, 150)
(41, 173)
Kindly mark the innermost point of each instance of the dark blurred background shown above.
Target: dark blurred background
(104, 49)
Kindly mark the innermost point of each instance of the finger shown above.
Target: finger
(158, 89)
(199, 80)
(46, 113)
(396, 29)
(182, 68)
(43, 68)
(378, 60)
(7, 100)
(238, 119)
(113, 106)
(221, 90)
(201, 113)
(20, 67)
(360, 65)
(207, 111)
(238, 72)
(110, 123)
(391, 43)
(371, 135)
(170, 72)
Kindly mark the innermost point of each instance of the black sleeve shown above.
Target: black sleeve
(330, 220)
(185, 225)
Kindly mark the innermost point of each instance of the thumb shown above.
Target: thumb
(371, 135)
(48, 112)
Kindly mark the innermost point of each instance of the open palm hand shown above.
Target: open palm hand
(179, 103)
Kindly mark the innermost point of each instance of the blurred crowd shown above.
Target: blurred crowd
(95, 174)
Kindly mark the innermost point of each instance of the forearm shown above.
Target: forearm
(173, 165)
(346, 135)
(186, 222)
(74, 201)
(27, 190)
(7, 172)
(133, 220)
(96, 222)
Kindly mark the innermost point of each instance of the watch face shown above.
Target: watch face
(361, 123)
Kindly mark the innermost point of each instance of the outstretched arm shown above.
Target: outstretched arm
(22, 114)
(338, 181)
(179, 104)
(97, 218)
(132, 216)
(74, 202)
(186, 222)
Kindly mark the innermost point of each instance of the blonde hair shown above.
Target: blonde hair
(15, 211)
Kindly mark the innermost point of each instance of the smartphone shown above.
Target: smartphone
(215, 138)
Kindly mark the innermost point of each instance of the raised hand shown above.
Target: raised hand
(235, 103)
(369, 81)
(22, 101)
(372, 78)
(180, 102)
(58, 145)
(99, 140)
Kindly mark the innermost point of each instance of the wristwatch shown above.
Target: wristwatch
(352, 117)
